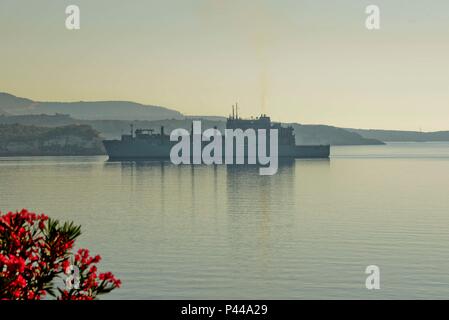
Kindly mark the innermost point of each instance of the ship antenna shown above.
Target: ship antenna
(236, 110)
(233, 114)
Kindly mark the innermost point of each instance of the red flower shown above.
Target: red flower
(34, 250)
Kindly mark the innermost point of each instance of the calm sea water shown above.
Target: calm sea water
(199, 232)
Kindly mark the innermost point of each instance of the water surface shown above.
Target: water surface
(200, 232)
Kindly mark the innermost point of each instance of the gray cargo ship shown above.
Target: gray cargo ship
(143, 144)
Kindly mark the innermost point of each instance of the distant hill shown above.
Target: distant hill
(112, 118)
(42, 120)
(402, 136)
(10, 103)
(104, 110)
(321, 134)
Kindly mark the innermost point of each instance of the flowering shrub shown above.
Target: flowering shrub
(35, 250)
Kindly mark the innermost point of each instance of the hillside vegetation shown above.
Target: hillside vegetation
(17, 139)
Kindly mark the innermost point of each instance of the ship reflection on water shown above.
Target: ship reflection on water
(245, 189)
(233, 217)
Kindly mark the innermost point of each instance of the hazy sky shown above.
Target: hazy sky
(304, 61)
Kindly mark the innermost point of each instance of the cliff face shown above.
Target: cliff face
(20, 140)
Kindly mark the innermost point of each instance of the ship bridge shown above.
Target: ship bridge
(286, 134)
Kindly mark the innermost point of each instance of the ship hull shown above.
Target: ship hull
(143, 150)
